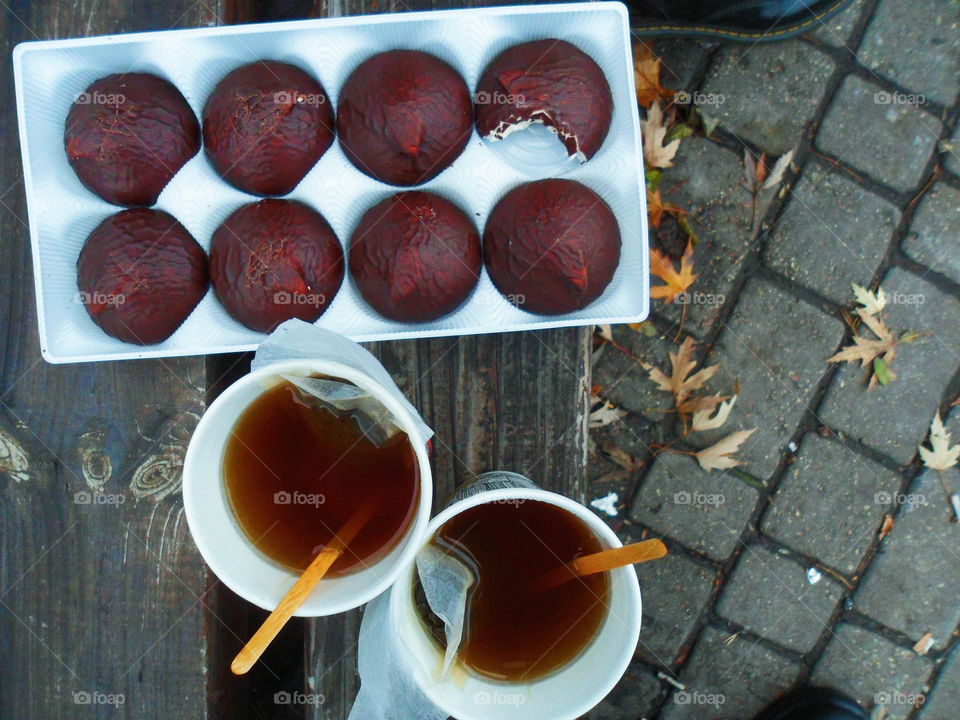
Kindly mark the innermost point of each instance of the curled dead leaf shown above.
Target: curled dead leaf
(719, 456)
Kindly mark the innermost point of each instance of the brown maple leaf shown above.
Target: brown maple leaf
(646, 74)
(877, 352)
(680, 382)
(656, 207)
(677, 281)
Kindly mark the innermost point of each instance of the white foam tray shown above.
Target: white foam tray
(50, 74)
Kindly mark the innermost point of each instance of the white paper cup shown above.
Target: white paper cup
(565, 694)
(224, 545)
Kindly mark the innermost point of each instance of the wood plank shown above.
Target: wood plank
(95, 597)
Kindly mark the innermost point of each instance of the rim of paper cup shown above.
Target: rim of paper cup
(211, 549)
(402, 590)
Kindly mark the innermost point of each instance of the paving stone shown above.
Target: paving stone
(915, 45)
(622, 380)
(682, 60)
(634, 697)
(770, 594)
(838, 29)
(895, 418)
(831, 233)
(770, 91)
(708, 181)
(889, 141)
(943, 701)
(830, 503)
(775, 346)
(934, 237)
(951, 155)
(611, 484)
(734, 679)
(913, 585)
(705, 512)
(873, 670)
(675, 591)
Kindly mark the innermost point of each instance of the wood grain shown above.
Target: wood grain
(96, 596)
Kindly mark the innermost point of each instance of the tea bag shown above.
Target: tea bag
(446, 582)
(347, 400)
(296, 339)
(387, 691)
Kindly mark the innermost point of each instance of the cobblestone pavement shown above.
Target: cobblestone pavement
(779, 574)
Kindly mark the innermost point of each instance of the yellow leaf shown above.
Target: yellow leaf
(646, 74)
(676, 281)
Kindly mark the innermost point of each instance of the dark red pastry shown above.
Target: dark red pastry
(275, 260)
(404, 117)
(551, 246)
(548, 81)
(415, 257)
(265, 125)
(140, 274)
(127, 135)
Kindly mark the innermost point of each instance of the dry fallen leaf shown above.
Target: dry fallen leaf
(655, 153)
(779, 168)
(702, 419)
(676, 281)
(886, 527)
(924, 644)
(682, 364)
(872, 302)
(878, 351)
(941, 455)
(604, 414)
(646, 74)
(719, 456)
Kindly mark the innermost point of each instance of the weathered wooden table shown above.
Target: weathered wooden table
(106, 609)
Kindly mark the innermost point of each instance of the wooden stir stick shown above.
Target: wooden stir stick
(295, 596)
(599, 562)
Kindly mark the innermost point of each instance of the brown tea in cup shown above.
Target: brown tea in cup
(514, 630)
(295, 472)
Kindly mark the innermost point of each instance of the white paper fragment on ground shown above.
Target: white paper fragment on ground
(607, 504)
(813, 575)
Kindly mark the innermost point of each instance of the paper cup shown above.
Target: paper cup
(224, 545)
(565, 694)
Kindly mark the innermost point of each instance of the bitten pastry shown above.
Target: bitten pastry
(551, 246)
(415, 257)
(140, 275)
(551, 82)
(265, 126)
(127, 135)
(404, 117)
(274, 260)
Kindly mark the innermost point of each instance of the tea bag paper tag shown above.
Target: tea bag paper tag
(299, 340)
(445, 581)
(387, 691)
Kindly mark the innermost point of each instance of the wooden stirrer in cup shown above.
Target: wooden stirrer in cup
(599, 562)
(295, 596)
